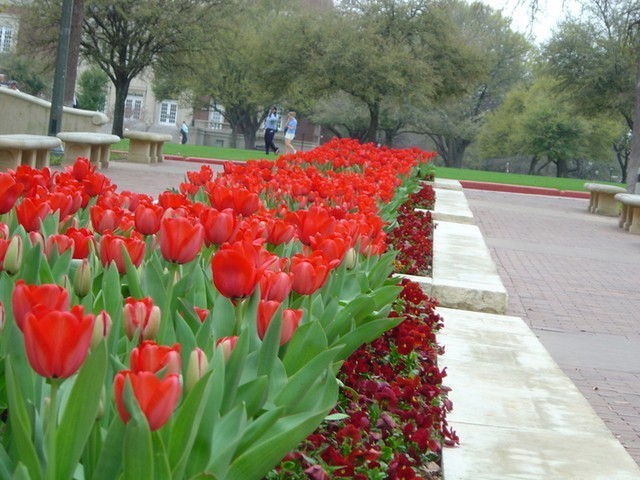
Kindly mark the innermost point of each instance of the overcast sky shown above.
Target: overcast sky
(551, 12)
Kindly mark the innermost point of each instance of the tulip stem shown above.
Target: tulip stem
(53, 429)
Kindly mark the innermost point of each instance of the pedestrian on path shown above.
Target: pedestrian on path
(290, 132)
(184, 131)
(270, 129)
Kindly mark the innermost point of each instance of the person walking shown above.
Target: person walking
(290, 132)
(270, 129)
(184, 130)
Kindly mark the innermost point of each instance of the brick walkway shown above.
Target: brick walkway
(574, 278)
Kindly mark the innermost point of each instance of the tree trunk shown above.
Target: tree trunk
(634, 158)
(374, 120)
(561, 167)
(532, 165)
(451, 149)
(122, 90)
(234, 136)
(74, 51)
(249, 139)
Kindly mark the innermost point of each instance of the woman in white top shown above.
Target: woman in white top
(290, 132)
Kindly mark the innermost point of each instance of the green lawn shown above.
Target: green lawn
(201, 151)
(514, 178)
(441, 172)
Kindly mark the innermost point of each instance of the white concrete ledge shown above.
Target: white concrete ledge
(94, 146)
(445, 184)
(517, 414)
(464, 274)
(452, 206)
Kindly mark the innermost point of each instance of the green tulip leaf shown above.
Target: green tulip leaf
(308, 341)
(381, 270)
(185, 427)
(302, 380)
(233, 371)
(133, 277)
(138, 448)
(80, 412)
(223, 317)
(253, 394)
(21, 425)
(278, 440)
(109, 463)
(270, 344)
(61, 266)
(7, 465)
(226, 437)
(259, 427)
(21, 473)
(364, 334)
(161, 468)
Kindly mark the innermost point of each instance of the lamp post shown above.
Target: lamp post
(57, 98)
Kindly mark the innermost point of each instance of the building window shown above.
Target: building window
(133, 107)
(168, 112)
(216, 119)
(6, 37)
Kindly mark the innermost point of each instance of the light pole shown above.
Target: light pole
(57, 98)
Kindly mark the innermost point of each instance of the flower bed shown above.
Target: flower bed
(390, 421)
(194, 334)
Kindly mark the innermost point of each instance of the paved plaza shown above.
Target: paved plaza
(574, 278)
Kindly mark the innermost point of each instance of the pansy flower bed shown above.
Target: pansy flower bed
(196, 334)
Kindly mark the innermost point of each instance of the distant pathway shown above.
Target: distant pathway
(574, 278)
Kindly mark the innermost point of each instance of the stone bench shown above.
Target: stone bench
(32, 150)
(94, 146)
(602, 198)
(630, 218)
(146, 147)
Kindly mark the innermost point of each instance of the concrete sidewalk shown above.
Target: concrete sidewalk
(574, 279)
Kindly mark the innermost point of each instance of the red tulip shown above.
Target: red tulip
(234, 270)
(333, 246)
(151, 357)
(220, 197)
(245, 203)
(141, 315)
(218, 225)
(309, 273)
(60, 243)
(10, 190)
(290, 320)
(105, 219)
(81, 168)
(83, 241)
(281, 232)
(157, 398)
(56, 341)
(169, 199)
(26, 297)
(95, 184)
(63, 203)
(111, 250)
(180, 240)
(275, 285)
(30, 211)
(147, 218)
(316, 220)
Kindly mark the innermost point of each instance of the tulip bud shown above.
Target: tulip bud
(13, 257)
(36, 238)
(150, 332)
(196, 368)
(83, 279)
(101, 328)
(227, 345)
(101, 403)
(4, 231)
(350, 258)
